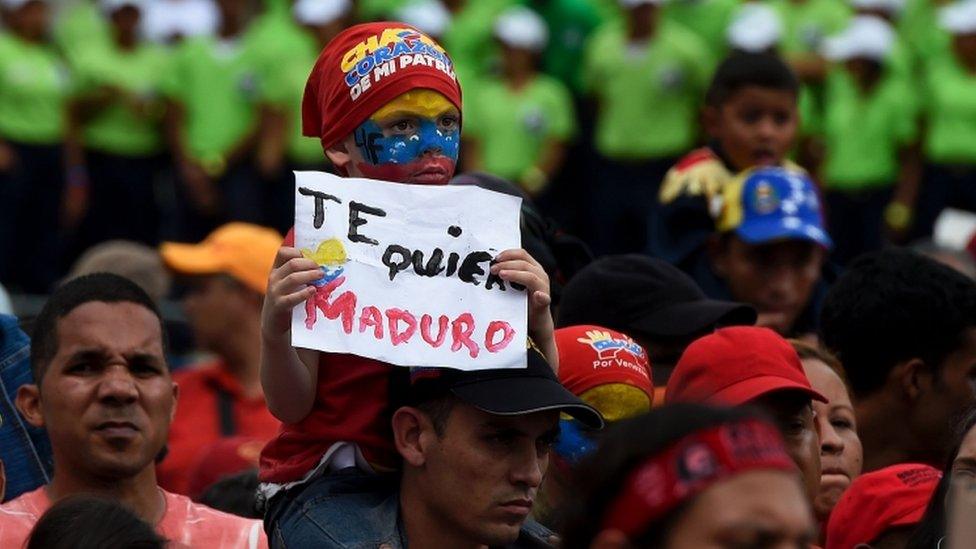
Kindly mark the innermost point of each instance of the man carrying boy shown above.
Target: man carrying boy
(404, 127)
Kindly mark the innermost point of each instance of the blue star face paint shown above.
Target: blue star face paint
(415, 138)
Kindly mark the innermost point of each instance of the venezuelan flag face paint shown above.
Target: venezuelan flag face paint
(415, 138)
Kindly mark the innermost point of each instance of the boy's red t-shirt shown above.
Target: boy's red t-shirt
(353, 403)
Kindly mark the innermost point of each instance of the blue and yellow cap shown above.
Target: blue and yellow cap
(767, 204)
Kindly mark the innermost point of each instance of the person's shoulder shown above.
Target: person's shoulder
(18, 517)
(200, 526)
(549, 85)
(699, 173)
(196, 374)
(681, 38)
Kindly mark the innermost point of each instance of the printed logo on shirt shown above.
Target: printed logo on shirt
(396, 49)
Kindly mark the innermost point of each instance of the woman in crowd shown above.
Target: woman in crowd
(841, 454)
(690, 476)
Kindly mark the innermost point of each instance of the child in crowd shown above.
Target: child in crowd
(868, 129)
(525, 142)
(336, 407)
(751, 119)
(645, 75)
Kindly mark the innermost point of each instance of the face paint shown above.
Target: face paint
(424, 151)
(617, 401)
(574, 443)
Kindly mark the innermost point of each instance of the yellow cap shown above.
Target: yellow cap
(243, 251)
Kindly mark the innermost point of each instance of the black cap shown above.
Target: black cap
(504, 391)
(640, 295)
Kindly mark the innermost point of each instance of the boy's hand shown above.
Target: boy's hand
(517, 266)
(288, 285)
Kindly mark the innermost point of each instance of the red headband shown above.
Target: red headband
(691, 465)
(365, 67)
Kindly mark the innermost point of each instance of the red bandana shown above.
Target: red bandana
(690, 466)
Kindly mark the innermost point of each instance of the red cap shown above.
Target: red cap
(736, 365)
(879, 500)
(223, 458)
(590, 356)
(365, 67)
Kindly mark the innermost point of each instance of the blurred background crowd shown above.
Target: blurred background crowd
(159, 120)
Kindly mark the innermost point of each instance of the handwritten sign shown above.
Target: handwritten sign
(406, 273)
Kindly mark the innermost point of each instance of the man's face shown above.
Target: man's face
(754, 509)
(107, 399)
(480, 477)
(777, 278)
(212, 304)
(414, 139)
(793, 414)
(755, 127)
(953, 392)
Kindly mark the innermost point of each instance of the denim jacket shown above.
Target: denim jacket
(24, 450)
(350, 509)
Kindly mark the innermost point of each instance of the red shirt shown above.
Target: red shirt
(198, 421)
(352, 404)
(184, 523)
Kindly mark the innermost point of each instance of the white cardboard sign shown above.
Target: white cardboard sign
(407, 275)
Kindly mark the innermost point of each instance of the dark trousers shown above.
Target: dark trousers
(855, 220)
(122, 199)
(280, 195)
(240, 198)
(30, 215)
(623, 198)
(943, 186)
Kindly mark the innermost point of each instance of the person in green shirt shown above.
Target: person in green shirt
(518, 125)
(949, 139)
(117, 112)
(646, 77)
(869, 128)
(282, 148)
(33, 88)
(212, 121)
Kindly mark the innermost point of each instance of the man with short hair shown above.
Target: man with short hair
(475, 447)
(104, 394)
(904, 328)
(747, 365)
(769, 249)
(225, 278)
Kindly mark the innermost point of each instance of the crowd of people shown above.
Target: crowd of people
(730, 343)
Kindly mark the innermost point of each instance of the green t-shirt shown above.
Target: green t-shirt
(709, 19)
(118, 128)
(950, 108)
(217, 82)
(470, 40)
(863, 133)
(570, 23)
(512, 137)
(79, 29)
(648, 94)
(34, 85)
(919, 28)
(807, 22)
(284, 89)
